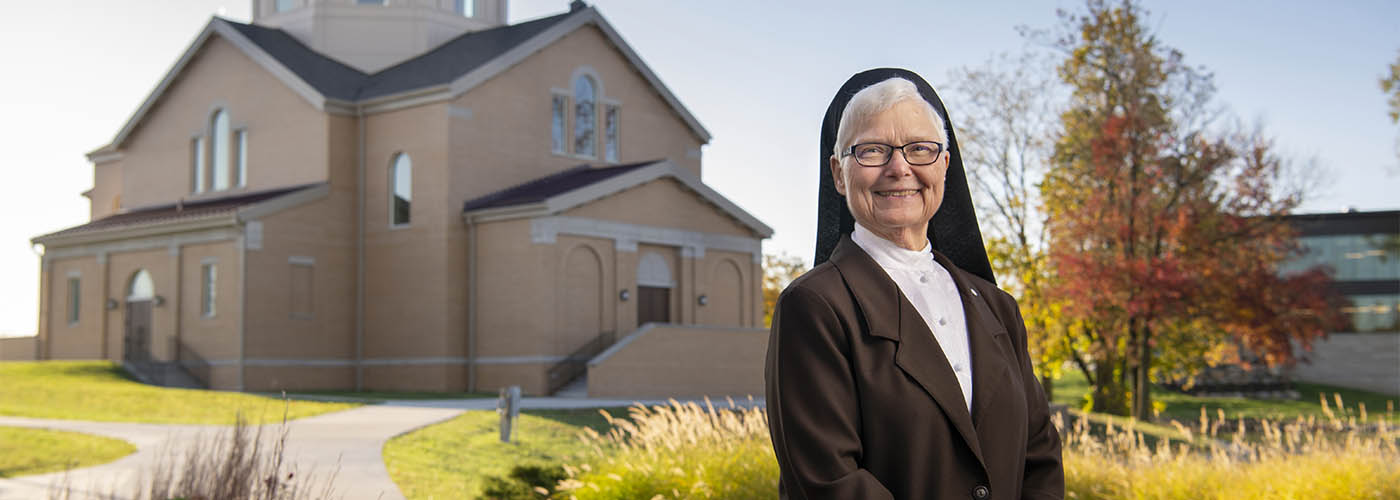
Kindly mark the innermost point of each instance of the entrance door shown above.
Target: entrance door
(138, 331)
(653, 305)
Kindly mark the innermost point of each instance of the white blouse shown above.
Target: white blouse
(931, 290)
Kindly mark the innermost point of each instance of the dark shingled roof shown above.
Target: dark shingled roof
(439, 66)
(179, 211)
(330, 77)
(551, 185)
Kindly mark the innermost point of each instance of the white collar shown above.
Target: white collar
(891, 256)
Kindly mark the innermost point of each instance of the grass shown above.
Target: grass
(101, 391)
(25, 451)
(1071, 389)
(451, 460)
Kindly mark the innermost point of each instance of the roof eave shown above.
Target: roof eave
(136, 231)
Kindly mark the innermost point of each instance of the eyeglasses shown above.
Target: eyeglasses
(875, 154)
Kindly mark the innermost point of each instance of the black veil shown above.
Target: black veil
(953, 230)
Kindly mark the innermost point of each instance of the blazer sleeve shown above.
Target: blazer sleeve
(1044, 473)
(812, 404)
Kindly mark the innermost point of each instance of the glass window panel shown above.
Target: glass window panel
(209, 275)
(370, 2)
(466, 7)
(585, 119)
(285, 5)
(1374, 313)
(197, 164)
(402, 190)
(74, 295)
(1351, 257)
(218, 150)
(557, 125)
(240, 145)
(611, 130)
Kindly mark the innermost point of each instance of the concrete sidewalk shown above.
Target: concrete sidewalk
(349, 440)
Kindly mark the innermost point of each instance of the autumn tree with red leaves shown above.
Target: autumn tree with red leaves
(1165, 236)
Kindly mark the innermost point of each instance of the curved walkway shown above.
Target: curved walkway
(351, 440)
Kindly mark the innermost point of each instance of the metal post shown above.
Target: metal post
(508, 407)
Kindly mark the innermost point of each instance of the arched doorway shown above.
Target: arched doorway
(140, 296)
(654, 285)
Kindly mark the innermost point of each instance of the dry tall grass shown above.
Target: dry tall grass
(678, 451)
(1339, 456)
(238, 463)
(685, 451)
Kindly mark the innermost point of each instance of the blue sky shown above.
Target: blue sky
(758, 75)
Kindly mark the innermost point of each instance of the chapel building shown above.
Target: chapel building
(410, 195)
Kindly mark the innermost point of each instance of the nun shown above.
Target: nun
(896, 369)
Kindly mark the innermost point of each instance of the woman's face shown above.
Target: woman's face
(896, 200)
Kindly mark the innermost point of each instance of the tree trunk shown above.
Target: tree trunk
(1108, 395)
(1142, 391)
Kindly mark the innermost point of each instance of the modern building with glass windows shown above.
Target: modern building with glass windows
(411, 195)
(1362, 252)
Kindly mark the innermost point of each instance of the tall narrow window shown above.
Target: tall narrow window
(240, 148)
(285, 5)
(370, 2)
(557, 125)
(610, 128)
(74, 296)
(302, 303)
(218, 150)
(208, 276)
(197, 164)
(466, 7)
(401, 190)
(585, 119)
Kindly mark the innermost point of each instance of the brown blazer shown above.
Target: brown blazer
(862, 403)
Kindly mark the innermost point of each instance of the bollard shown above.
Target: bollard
(508, 407)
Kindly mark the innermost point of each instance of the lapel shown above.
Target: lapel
(991, 370)
(890, 315)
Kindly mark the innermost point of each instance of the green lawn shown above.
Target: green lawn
(101, 391)
(1071, 389)
(451, 459)
(26, 451)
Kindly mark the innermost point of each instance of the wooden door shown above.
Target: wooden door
(137, 340)
(653, 305)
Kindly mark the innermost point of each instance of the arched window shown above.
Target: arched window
(585, 102)
(218, 149)
(142, 287)
(401, 190)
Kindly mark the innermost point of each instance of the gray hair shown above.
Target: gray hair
(875, 99)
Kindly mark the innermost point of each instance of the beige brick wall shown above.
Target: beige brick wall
(683, 209)
(106, 196)
(83, 339)
(162, 266)
(682, 361)
(214, 338)
(19, 348)
(283, 130)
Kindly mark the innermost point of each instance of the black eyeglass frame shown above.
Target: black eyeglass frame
(936, 154)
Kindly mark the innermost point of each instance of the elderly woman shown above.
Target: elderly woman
(896, 368)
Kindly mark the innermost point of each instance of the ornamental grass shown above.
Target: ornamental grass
(690, 451)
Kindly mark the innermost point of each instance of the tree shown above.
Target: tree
(778, 271)
(1165, 233)
(1006, 117)
(1390, 85)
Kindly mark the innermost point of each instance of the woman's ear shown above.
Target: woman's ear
(836, 178)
